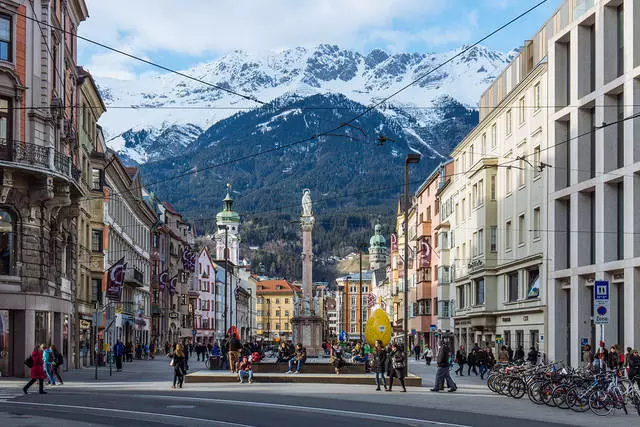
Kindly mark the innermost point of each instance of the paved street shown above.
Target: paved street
(142, 393)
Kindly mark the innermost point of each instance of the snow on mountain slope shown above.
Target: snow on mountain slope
(160, 99)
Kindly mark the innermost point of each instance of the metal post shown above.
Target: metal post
(360, 295)
(226, 267)
(411, 158)
(97, 348)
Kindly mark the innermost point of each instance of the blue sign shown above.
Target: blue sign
(584, 341)
(602, 310)
(433, 328)
(194, 332)
(601, 290)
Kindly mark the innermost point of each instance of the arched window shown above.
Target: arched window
(7, 243)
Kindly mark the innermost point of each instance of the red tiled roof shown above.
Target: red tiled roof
(171, 209)
(269, 286)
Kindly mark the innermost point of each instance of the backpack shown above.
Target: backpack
(29, 362)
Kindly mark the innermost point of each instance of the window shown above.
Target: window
(480, 243)
(474, 195)
(96, 240)
(507, 236)
(260, 313)
(508, 123)
(277, 313)
(474, 244)
(286, 300)
(521, 114)
(6, 243)
(493, 235)
(493, 187)
(533, 283)
(461, 302)
(494, 135)
(536, 96)
(521, 171)
(97, 179)
(480, 192)
(536, 223)
(277, 326)
(513, 287)
(464, 162)
(521, 230)
(470, 156)
(483, 144)
(5, 130)
(5, 38)
(507, 180)
(277, 300)
(479, 291)
(536, 161)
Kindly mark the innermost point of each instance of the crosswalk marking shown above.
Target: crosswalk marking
(9, 393)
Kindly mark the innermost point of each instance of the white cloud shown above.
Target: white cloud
(208, 27)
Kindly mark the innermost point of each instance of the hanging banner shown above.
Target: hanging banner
(424, 254)
(394, 243)
(186, 258)
(172, 285)
(115, 280)
(164, 276)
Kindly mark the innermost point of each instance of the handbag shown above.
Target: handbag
(29, 362)
(171, 363)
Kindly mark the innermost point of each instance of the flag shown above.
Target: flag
(163, 279)
(424, 254)
(371, 300)
(394, 243)
(172, 284)
(115, 280)
(186, 258)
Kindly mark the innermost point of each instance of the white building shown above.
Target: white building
(205, 307)
(594, 204)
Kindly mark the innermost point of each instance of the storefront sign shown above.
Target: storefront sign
(601, 302)
(84, 324)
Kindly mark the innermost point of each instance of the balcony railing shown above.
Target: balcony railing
(134, 277)
(39, 156)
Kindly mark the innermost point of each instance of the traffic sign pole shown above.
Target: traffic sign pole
(601, 305)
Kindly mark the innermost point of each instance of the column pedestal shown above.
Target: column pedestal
(307, 330)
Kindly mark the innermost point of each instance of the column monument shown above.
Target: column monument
(307, 324)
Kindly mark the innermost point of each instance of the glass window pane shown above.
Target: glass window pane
(4, 51)
(5, 28)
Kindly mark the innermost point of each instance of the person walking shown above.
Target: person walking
(58, 361)
(37, 370)
(443, 373)
(503, 355)
(335, 358)
(532, 357)
(519, 356)
(510, 352)
(482, 361)
(634, 366)
(379, 364)
(461, 359)
(428, 355)
(118, 351)
(398, 363)
(613, 361)
(416, 351)
(178, 361)
(471, 362)
(47, 357)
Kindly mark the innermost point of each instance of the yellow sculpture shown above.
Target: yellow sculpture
(378, 328)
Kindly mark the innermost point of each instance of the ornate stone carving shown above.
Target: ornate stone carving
(307, 206)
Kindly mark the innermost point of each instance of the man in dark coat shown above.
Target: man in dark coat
(443, 373)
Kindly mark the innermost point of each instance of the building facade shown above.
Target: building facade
(40, 172)
(274, 305)
(352, 303)
(594, 64)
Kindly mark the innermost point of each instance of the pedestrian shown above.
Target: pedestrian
(398, 364)
(58, 361)
(634, 366)
(471, 362)
(36, 363)
(503, 355)
(245, 370)
(602, 357)
(47, 357)
(532, 357)
(335, 358)
(519, 356)
(379, 364)
(235, 346)
(510, 352)
(461, 359)
(587, 357)
(482, 360)
(118, 351)
(416, 350)
(152, 351)
(178, 361)
(428, 355)
(299, 359)
(613, 361)
(443, 373)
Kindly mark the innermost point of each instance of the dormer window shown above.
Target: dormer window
(5, 39)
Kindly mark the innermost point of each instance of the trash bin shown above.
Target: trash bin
(214, 363)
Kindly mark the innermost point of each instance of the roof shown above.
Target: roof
(366, 276)
(168, 206)
(380, 274)
(270, 286)
(131, 171)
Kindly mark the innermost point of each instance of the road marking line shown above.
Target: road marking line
(353, 414)
(126, 411)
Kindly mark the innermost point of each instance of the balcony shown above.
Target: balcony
(424, 229)
(40, 157)
(423, 291)
(134, 277)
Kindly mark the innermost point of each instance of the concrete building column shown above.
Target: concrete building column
(580, 317)
(632, 307)
(24, 338)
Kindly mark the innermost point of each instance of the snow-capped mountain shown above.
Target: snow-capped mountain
(171, 111)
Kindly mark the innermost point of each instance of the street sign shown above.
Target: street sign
(584, 341)
(433, 328)
(413, 332)
(194, 332)
(499, 340)
(173, 315)
(601, 302)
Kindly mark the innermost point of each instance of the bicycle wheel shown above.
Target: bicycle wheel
(600, 403)
(534, 392)
(559, 396)
(577, 399)
(517, 388)
(546, 391)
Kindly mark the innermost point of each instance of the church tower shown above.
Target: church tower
(228, 223)
(378, 251)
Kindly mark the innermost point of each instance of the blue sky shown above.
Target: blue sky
(183, 33)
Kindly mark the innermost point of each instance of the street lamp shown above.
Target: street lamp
(411, 158)
(360, 248)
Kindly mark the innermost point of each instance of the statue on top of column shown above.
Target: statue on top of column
(307, 209)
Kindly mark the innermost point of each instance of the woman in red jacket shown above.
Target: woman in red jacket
(37, 370)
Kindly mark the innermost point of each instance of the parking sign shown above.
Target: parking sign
(601, 302)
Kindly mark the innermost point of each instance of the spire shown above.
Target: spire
(227, 214)
(228, 200)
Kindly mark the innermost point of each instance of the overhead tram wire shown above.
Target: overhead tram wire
(146, 61)
(350, 121)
